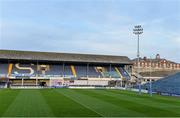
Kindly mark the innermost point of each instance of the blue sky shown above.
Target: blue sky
(92, 26)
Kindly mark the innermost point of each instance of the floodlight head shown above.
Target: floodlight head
(138, 30)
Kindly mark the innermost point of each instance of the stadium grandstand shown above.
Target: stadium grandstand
(48, 69)
(166, 86)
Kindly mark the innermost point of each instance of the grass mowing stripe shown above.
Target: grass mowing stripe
(130, 104)
(29, 103)
(105, 108)
(7, 97)
(151, 100)
(62, 106)
(157, 98)
(167, 108)
(86, 103)
(78, 101)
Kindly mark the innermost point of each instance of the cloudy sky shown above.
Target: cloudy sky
(92, 26)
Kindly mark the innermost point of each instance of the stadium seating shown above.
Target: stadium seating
(92, 72)
(54, 70)
(68, 71)
(105, 72)
(81, 71)
(114, 74)
(23, 70)
(124, 73)
(3, 70)
(168, 85)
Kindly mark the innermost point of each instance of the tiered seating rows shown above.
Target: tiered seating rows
(170, 84)
(55, 70)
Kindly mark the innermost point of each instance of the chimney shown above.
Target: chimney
(157, 56)
(145, 58)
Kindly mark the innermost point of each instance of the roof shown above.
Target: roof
(65, 57)
(158, 73)
(153, 60)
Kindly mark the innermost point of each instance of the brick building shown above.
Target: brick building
(156, 64)
(155, 68)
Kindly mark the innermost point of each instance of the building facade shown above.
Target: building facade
(156, 64)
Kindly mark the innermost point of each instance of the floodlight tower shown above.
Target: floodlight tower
(137, 31)
(150, 83)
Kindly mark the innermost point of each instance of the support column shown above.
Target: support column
(50, 82)
(36, 82)
(121, 83)
(22, 82)
(87, 70)
(87, 73)
(63, 68)
(37, 69)
(110, 70)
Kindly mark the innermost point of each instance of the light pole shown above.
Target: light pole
(137, 31)
(150, 84)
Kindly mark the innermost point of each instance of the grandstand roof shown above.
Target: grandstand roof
(65, 57)
(158, 73)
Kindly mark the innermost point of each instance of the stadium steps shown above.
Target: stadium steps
(117, 70)
(73, 71)
(124, 73)
(10, 69)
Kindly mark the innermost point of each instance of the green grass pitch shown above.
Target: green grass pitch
(84, 103)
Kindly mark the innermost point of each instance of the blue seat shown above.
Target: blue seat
(170, 84)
